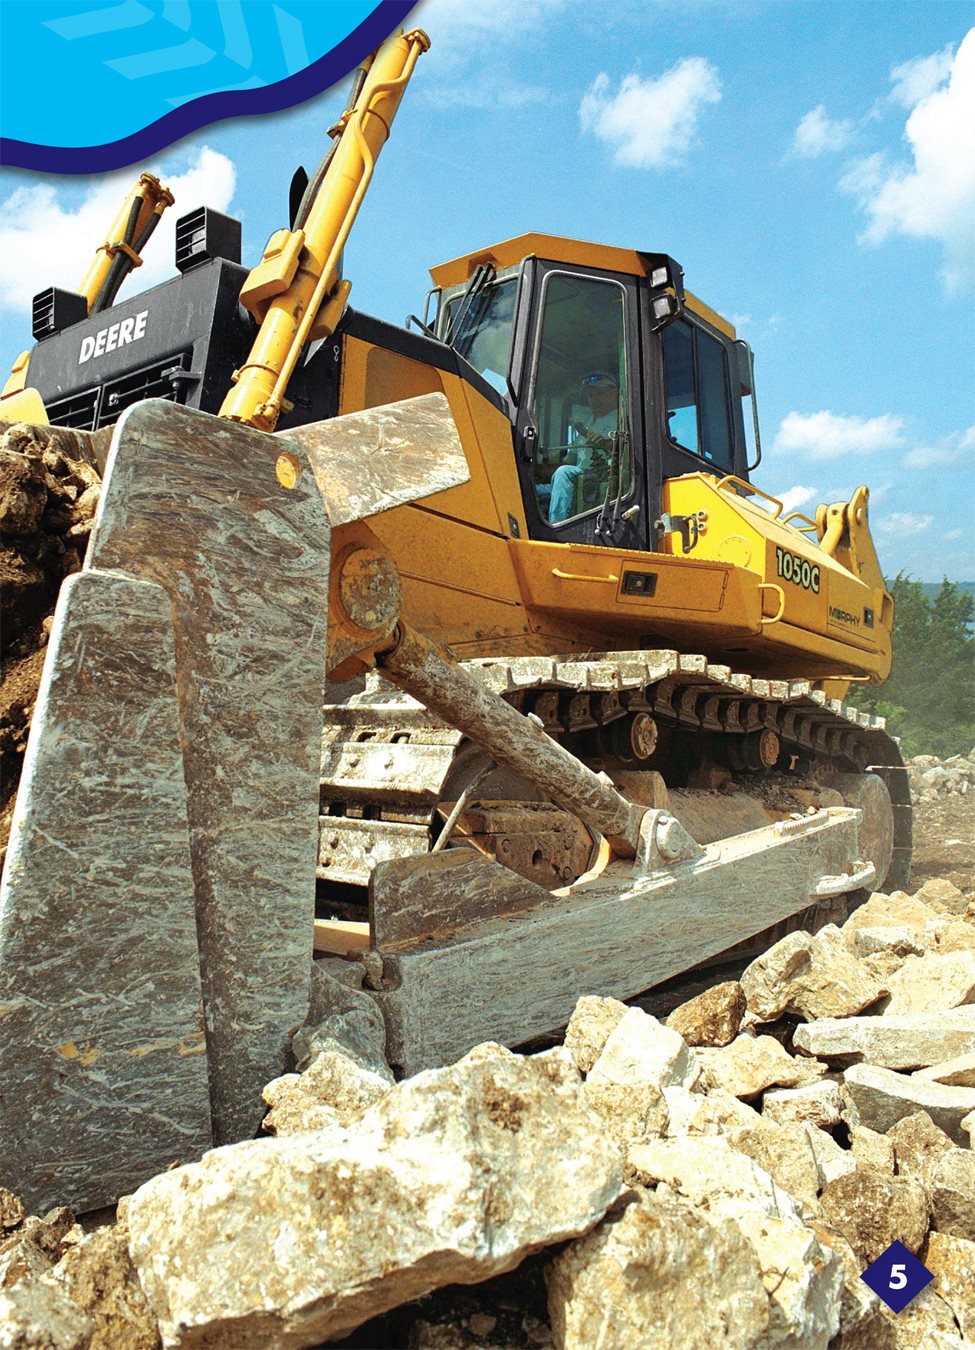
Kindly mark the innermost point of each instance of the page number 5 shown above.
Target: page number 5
(898, 1277)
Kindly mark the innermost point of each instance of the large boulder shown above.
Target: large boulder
(878, 1098)
(932, 983)
(810, 977)
(451, 1177)
(750, 1064)
(892, 1042)
(657, 1274)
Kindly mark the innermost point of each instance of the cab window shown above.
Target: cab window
(579, 399)
(698, 394)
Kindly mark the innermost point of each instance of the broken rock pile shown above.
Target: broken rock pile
(720, 1178)
(932, 778)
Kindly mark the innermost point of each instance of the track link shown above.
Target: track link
(386, 760)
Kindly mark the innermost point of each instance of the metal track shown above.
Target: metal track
(385, 759)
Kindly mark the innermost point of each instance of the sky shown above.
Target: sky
(810, 163)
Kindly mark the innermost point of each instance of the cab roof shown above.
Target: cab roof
(556, 248)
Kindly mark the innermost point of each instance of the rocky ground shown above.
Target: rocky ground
(719, 1178)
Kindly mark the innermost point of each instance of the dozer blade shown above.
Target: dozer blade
(156, 913)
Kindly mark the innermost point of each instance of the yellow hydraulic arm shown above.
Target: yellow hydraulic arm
(114, 259)
(295, 290)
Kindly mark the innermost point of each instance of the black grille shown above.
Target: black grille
(102, 407)
(153, 381)
(77, 410)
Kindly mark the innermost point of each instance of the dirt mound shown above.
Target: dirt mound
(48, 495)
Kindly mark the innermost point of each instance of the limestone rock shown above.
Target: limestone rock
(878, 1098)
(932, 983)
(819, 1103)
(891, 1042)
(709, 1173)
(12, 1211)
(333, 1081)
(750, 1064)
(899, 940)
(858, 1303)
(872, 1210)
(831, 1160)
(589, 1028)
(29, 1250)
(649, 1274)
(716, 1113)
(942, 895)
(957, 1072)
(927, 1323)
(871, 1150)
(36, 1316)
(629, 1114)
(951, 1260)
(968, 1127)
(640, 1052)
(918, 1144)
(882, 911)
(953, 935)
(99, 1278)
(767, 981)
(818, 978)
(275, 1242)
(784, 1152)
(712, 1018)
(804, 1280)
(951, 1187)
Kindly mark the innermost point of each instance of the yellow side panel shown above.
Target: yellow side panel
(491, 500)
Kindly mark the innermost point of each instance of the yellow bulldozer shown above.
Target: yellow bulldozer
(488, 679)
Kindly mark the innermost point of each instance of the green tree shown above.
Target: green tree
(929, 699)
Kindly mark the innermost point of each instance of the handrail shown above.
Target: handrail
(772, 586)
(733, 478)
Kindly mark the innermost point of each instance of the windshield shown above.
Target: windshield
(483, 336)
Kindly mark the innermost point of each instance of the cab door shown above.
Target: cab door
(579, 430)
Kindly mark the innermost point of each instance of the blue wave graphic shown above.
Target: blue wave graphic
(152, 76)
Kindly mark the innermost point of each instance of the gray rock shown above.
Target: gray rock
(341, 1016)
(653, 1274)
(892, 1042)
(878, 1098)
(468, 1168)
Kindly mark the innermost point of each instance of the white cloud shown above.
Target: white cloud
(651, 123)
(933, 195)
(914, 80)
(43, 243)
(817, 134)
(903, 524)
(795, 498)
(827, 435)
(948, 450)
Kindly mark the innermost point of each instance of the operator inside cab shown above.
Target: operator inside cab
(590, 447)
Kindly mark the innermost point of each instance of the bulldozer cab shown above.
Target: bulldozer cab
(614, 379)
